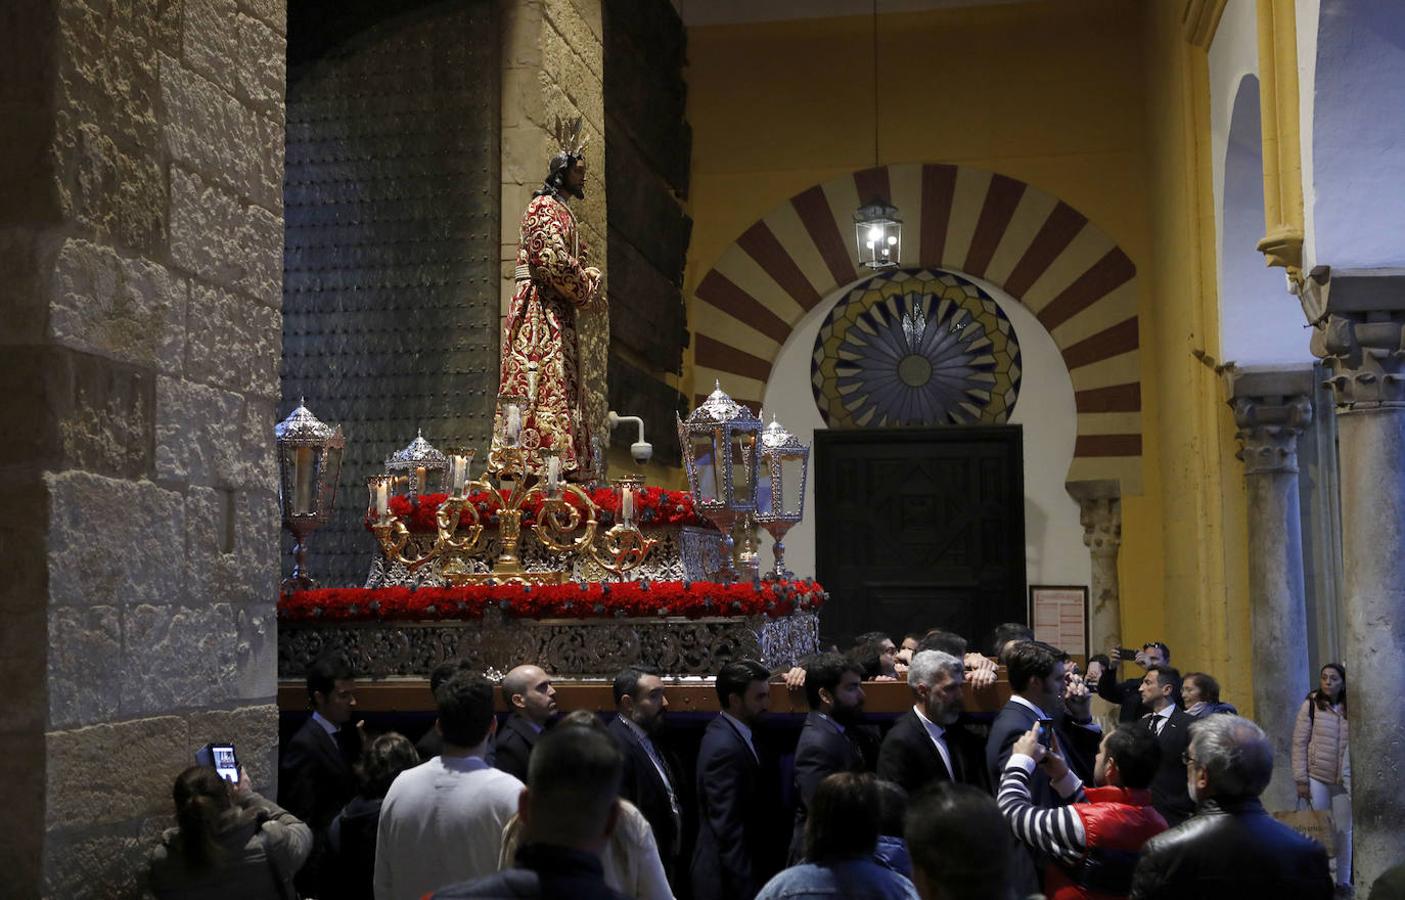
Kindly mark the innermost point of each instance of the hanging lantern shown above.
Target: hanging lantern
(879, 233)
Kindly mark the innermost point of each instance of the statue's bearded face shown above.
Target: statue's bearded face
(574, 182)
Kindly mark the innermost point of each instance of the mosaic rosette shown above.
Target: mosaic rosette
(916, 348)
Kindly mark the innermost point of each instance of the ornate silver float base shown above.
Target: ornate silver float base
(570, 648)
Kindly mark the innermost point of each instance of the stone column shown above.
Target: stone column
(1100, 511)
(1363, 342)
(1271, 409)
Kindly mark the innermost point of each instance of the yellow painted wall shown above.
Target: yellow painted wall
(1083, 100)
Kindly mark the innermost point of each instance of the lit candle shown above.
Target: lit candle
(383, 499)
(421, 480)
(553, 472)
(627, 505)
(514, 424)
(302, 479)
(459, 475)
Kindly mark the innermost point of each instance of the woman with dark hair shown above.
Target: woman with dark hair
(1321, 763)
(351, 838)
(229, 843)
(841, 835)
(1200, 695)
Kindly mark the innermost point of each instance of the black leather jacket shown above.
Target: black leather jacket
(1232, 849)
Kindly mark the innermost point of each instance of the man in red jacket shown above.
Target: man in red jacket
(1093, 843)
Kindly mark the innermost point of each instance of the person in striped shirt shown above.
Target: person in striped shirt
(1093, 843)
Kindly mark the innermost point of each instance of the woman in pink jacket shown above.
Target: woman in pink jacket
(1321, 763)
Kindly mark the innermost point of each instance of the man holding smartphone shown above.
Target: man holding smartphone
(1127, 693)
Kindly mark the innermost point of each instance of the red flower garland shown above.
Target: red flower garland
(638, 599)
(652, 506)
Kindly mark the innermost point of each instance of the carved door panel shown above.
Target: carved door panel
(919, 528)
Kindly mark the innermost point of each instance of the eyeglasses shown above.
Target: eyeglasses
(1187, 759)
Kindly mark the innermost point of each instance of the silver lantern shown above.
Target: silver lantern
(720, 441)
(780, 494)
(309, 465)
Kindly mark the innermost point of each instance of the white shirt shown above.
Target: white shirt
(938, 735)
(1164, 714)
(744, 731)
(442, 823)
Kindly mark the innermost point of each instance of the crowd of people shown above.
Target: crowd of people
(1163, 802)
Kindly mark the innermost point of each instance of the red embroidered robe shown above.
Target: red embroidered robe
(552, 281)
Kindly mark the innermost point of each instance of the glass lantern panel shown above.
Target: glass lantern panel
(327, 487)
(706, 465)
(744, 460)
(792, 482)
(304, 479)
(764, 486)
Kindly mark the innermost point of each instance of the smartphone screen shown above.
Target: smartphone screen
(221, 757)
(1046, 733)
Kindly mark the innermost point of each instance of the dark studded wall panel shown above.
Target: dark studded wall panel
(648, 147)
(391, 194)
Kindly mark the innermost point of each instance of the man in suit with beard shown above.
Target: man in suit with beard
(926, 745)
(529, 693)
(650, 781)
(733, 857)
(315, 777)
(1171, 725)
(826, 746)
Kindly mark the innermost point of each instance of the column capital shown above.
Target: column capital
(1361, 337)
(1100, 512)
(1271, 407)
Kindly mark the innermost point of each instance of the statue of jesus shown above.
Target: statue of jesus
(540, 348)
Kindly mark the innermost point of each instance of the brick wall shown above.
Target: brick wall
(140, 233)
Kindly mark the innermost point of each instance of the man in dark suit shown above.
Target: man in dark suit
(732, 859)
(528, 692)
(1127, 693)
(650, 781)
(1171, 726)
(826, 746)
(315, 776)
(1042, 690)
(926, 745)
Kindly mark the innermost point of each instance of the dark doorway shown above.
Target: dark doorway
(919, 528)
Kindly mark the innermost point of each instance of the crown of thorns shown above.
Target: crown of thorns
(568, 137)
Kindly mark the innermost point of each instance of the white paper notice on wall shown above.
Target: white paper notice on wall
(1059, 616)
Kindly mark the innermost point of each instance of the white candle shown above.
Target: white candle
(627, 505)
(383, 499)
(421, 480)
(302, 478)
(459, 475)
(553, 472)
(514, 425)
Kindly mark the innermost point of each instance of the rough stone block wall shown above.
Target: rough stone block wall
(390, 303)
(140, 235)
(647, 152)
(553, 65)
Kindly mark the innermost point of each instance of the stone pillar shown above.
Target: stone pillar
(1271, 409)
(553, 65)
(1100, 511)
(1363, 343)
(141, 242)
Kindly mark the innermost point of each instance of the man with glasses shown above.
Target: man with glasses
(1231, 847)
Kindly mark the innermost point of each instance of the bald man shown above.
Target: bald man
(529, 694)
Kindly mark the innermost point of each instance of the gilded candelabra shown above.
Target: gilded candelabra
(562, 526)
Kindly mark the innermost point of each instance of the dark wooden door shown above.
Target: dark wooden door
(919, 528)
